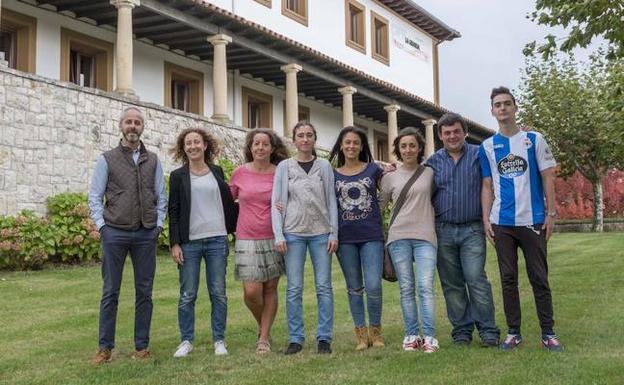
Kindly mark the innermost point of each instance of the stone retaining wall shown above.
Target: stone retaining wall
(51, 132)
(587, 227)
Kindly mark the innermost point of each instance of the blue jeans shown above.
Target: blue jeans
(116, 244)
(321, 262)
(467, 291)
(362, 264)
(404, 252)
(214, 252)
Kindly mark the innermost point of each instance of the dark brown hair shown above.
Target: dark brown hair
(336, 153)
(449, 119)
(501, 91)
(279, 152)
(304, 123)
(409, 131)
(212, 148)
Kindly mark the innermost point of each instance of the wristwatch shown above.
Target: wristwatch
(552, 214)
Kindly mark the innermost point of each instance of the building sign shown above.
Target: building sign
(409, 42)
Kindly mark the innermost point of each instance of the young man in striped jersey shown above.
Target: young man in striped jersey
(518, 172)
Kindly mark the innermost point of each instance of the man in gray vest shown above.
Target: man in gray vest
(130, 219)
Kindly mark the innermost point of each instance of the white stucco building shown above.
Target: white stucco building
(233, 63)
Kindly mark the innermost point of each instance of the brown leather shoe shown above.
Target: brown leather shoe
(102, 356)
(142, 354)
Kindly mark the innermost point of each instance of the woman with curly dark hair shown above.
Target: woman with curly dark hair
(258, 265)
(202, 213)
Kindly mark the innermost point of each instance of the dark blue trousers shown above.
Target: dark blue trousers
(141, 244)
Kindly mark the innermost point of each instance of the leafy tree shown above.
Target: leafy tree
(585, 19)
(580, 109)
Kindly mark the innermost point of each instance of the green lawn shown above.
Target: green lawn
(49, 331)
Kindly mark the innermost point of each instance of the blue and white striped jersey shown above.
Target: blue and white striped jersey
(515, 164)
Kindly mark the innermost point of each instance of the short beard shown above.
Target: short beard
(133, 135)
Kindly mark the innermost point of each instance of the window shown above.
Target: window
(296, 10)
(8, 45)
(264, 2)
(354, 23)
(184, 89)
(302, 115)
(18, 37)
(82, 69)
(381, 146)
(257, 109)
(380, 38)
(86, 61)
(180, 94)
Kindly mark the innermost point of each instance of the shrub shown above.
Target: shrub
(75, 234)
(228, 167)
(66, 234)
(575, 197)
(26, 241)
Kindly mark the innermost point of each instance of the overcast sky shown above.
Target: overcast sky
(488, 54)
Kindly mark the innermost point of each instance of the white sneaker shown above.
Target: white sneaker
(220, 348)
(430, 345)
(183, 349)
(412, 343)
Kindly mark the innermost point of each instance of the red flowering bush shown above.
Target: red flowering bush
(575, 198)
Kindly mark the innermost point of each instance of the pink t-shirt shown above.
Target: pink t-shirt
(253, 191)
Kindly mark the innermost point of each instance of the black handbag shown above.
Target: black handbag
(388, 273)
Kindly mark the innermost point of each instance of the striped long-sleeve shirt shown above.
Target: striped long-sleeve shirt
(457, 197)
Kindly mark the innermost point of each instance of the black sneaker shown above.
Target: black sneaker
(293, 348)
(461, 342)
(490, 343)
(324, 347)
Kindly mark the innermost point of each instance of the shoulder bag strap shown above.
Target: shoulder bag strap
(401, 199)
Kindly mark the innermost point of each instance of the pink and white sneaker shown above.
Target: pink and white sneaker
(551, 343)
(412, 343)
(430, 345)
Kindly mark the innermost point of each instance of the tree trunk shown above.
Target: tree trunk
(598, 206)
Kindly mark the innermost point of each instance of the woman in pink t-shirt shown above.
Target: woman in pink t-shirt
(258, 265)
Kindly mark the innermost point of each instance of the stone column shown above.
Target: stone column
(393, 128)
(292, 97)
(219, 77)
(371, 141)
(123, 47)
(347, 105)
(429, 137)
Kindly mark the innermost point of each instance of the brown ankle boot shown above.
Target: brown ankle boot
(362, 338)
(375, 336)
